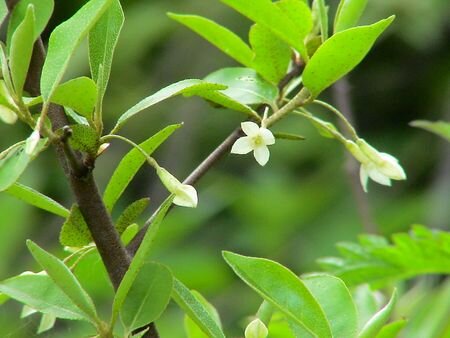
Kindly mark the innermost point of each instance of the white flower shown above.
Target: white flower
(380, 167)
(185, 195)
(257, 140)
(256, 329)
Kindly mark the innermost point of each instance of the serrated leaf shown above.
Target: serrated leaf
(43, 10)
(441, 128)
(130, 164)
(139, 259)
(63, 41)
(348, 14)
(47, 322)
(392, 330)
(195, 309)
(421, 252)
(244, 85)
(75, 232)
(337, 303)
(35, 198)
(192, 329)
(272, 55)
(103, 39)
(174, 89)
(147, 297)
(282, 288)
(131, 213)
(79, 94)
(41, 293)
(376, 323)
(22, 42)
(219, 36)
(274, 18)
(65, 280)
(340, 54)
(84, 138)
(14, 162)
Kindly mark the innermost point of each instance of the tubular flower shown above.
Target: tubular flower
(380, 167)
(257, 139)
(185, 195)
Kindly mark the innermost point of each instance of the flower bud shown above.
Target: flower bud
(185, 195)
(256, 329)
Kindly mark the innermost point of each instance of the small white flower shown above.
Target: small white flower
(256, 329)
(185, 195)
(257, 139)
(380, 167)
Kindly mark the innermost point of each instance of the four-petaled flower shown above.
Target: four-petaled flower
(380, 167)
(257, 139)
(185, 195)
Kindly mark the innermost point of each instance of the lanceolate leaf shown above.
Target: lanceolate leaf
(192, 329)
(130, 164)
(41, 293)
(148, 296)
(376, 323)
(103, 39)
(219, 36)
(269, 15)
(165, 93)
(47, 322)
(194, 308)
(131, 213)
(340, 54)
(37, 199)
(392, 330)
(139, 259)
(272, 55)
(348, 14)
(63, 42)
(43, 10)
(283, 289)
(65, 280)
(22, 43)
(440, 128)
(322, 13)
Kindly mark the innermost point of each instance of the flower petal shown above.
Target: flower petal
(261, 154)
(243, 145)
(186, 196)
(378, 176)
(391, 167)
(250, 128)
(267, 136)
(364, 177)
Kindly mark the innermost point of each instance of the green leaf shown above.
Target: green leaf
(14, 161)
(75, 232)
(278, 19)
(131, 213)
(348, 14)
(84, 138)
(75, 117)
(103, 39)
(244, 85)
(288, 136)
(80, 94)
(41, 293)
(130, 164)
(392, 330)
(129, 233)
(379, 262)
(340, 54)
(337, 303)
(37, 199)
(272, 55)
(47, 322)
(196, 310)
(219, 36)
(440, 128)
(322, 13)
(139, 259)
(376, 323)
(3, 11)
(282, 288)
(192, 329)
(65, 280)
(22, 42)
(147, 297)
(163, 94)
(63, 42)
(366, 302)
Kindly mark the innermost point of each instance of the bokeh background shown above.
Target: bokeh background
(295, 208)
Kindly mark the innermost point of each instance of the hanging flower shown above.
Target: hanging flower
(256, 329)
(380, 167)
(257, 139)
(185, 195)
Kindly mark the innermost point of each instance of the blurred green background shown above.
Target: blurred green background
(295, 208)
